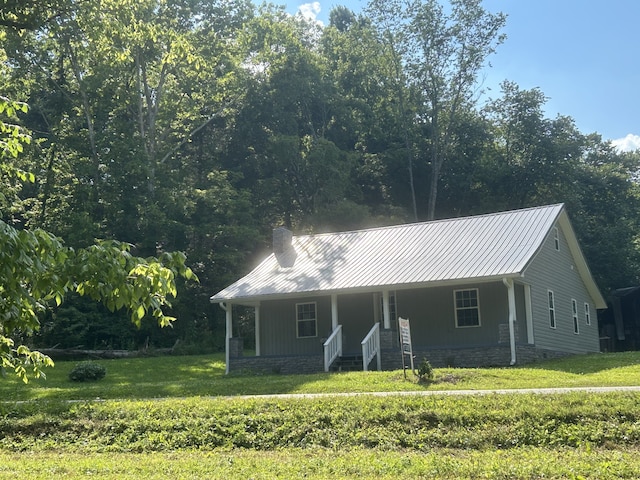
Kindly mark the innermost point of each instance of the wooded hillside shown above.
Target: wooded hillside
(199, 125)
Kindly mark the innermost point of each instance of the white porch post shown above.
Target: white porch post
(334, 312)
(386, 311)
(512, 317)
(257, 323)
(229, 332)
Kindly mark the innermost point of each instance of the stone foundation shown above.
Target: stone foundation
(389, 339)
(236, 347)
(497, 356)
(286, 365)
(477, 357)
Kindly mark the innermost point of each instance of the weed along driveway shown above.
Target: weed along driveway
(501, 391)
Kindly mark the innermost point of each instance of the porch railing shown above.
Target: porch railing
(371, 347)
(332, 347)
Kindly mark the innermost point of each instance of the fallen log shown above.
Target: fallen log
(78, 354)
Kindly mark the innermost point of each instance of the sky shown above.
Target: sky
(584, 55)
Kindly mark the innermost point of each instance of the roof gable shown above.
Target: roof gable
(471, 248)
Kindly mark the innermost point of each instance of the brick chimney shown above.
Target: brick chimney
(283, 247)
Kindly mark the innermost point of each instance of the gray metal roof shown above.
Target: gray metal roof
(471, 248)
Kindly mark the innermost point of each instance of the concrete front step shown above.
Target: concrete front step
(347, 363)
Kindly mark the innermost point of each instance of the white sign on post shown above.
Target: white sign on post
(405, 339)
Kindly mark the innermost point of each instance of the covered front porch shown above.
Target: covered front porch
(312, 333)
(319, 332)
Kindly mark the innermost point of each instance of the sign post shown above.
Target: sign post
(405, 340)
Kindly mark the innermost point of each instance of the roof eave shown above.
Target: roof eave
(253, 299)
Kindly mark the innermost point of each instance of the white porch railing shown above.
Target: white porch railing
(332, 347)
(371, 347)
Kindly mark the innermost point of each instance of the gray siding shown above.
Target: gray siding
(555, 270)
(278, 327)
(356, 315)
(432, 316)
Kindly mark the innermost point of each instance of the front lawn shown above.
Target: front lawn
(186, 376)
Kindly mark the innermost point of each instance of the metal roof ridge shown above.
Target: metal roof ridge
(428, 222)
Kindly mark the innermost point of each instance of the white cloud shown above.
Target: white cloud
(627, 144)
(310, 11)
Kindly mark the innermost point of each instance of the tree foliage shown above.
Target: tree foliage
(441, 52)
(182, 125)
(37, 270)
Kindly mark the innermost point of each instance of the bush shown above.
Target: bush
(425, 371)
(87, 371)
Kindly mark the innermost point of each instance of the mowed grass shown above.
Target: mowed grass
(518, 463)
(187, 376)
(182, 417)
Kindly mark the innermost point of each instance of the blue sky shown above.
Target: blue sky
(584, 55)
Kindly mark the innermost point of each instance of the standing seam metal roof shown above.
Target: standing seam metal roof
(484, 246)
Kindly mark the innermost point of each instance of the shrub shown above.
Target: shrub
(87, 371)
(425, 371)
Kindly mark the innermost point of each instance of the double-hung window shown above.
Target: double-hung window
(587, 314)
(306, 321)
(467, 306)
(552, 310)
(574, 314)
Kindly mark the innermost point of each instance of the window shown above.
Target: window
(306, 320)
(467, 308)
(587, 314)
(574, 312)
(552, 311)
(556, 238)
(393, 312)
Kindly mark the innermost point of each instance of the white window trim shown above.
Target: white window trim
(315, 319)
(556, 238)
(587, 313)
(551, 307)
(455, 307)
(393, 307)
(574, 314)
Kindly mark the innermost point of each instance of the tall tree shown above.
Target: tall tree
(296, 172)
(37, 270)
(366, 115)
(132, 103)
(441, 50)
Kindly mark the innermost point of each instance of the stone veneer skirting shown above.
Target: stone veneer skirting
(497, 356)
(286, 364)
(476, 357)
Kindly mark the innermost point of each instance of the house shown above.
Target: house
(497, 289)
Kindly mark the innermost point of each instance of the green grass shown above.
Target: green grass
(416, 423)
(181, 417)
(525, 463)
(576, 435)
(186, 376)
